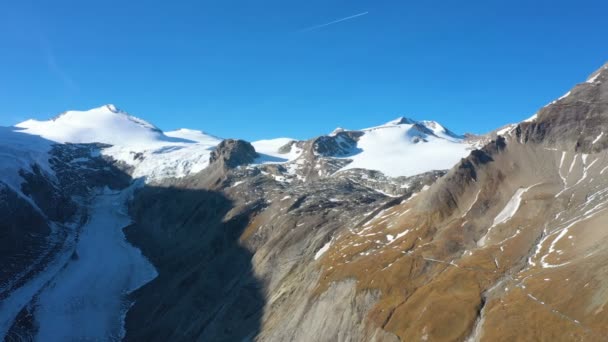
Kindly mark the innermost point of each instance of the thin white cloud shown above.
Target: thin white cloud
(316, 27)
(29, 26)
(54, 67)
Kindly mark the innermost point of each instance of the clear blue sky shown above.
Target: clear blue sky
(250, 69)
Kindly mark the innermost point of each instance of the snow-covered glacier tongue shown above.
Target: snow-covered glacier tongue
(87, 299)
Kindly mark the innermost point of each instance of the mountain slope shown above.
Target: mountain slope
(510, 239)
(285, 240)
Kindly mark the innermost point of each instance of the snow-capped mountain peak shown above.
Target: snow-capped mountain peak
(336, 131)
(424, 127)
(440, 130)
(105, 124)
(402, 120)
(152, 153)
(406, 147)
(113, 108)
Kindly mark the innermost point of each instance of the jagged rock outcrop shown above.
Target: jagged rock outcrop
(577, 121)
(232, 153)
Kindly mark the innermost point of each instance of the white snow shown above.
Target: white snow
(597, 138)
(558, 99)
(86, 300)
(564, 96)
(506, 129)
(507, 212)
(269, 151)
(103, 124)
(400, 121)
(19, 298)
(336, 131)
(472, 204)
(19, 151)
(440, 131)
(594, 78)
(194, 135)
(404, 150)
(511, 208)
(399, 236)
(401, 147)
(323, 249)
(159, 155)
(532, 118)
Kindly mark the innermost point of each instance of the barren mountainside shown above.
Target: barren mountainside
(400, 232)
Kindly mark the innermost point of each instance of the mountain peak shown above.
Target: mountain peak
(336, 131)
(106, 124)
(402, 120)
(112, 108)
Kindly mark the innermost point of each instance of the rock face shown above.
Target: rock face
(509, 240)
(233, 153)
(24, 232)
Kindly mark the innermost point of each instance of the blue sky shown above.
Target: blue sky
(251, 69)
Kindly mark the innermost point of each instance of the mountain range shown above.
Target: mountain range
(113, 229)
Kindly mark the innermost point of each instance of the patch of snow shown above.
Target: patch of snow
(269, 151)
(559, 99)
(597, 138)
(194, 135)
(507, 212)
(506, 129)
(399, 236)
(336, 131)
(564, 96)
(532, 118)
(323, 249)
(472, 204)
(594, 78)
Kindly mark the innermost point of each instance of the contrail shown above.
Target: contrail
(333, 22)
